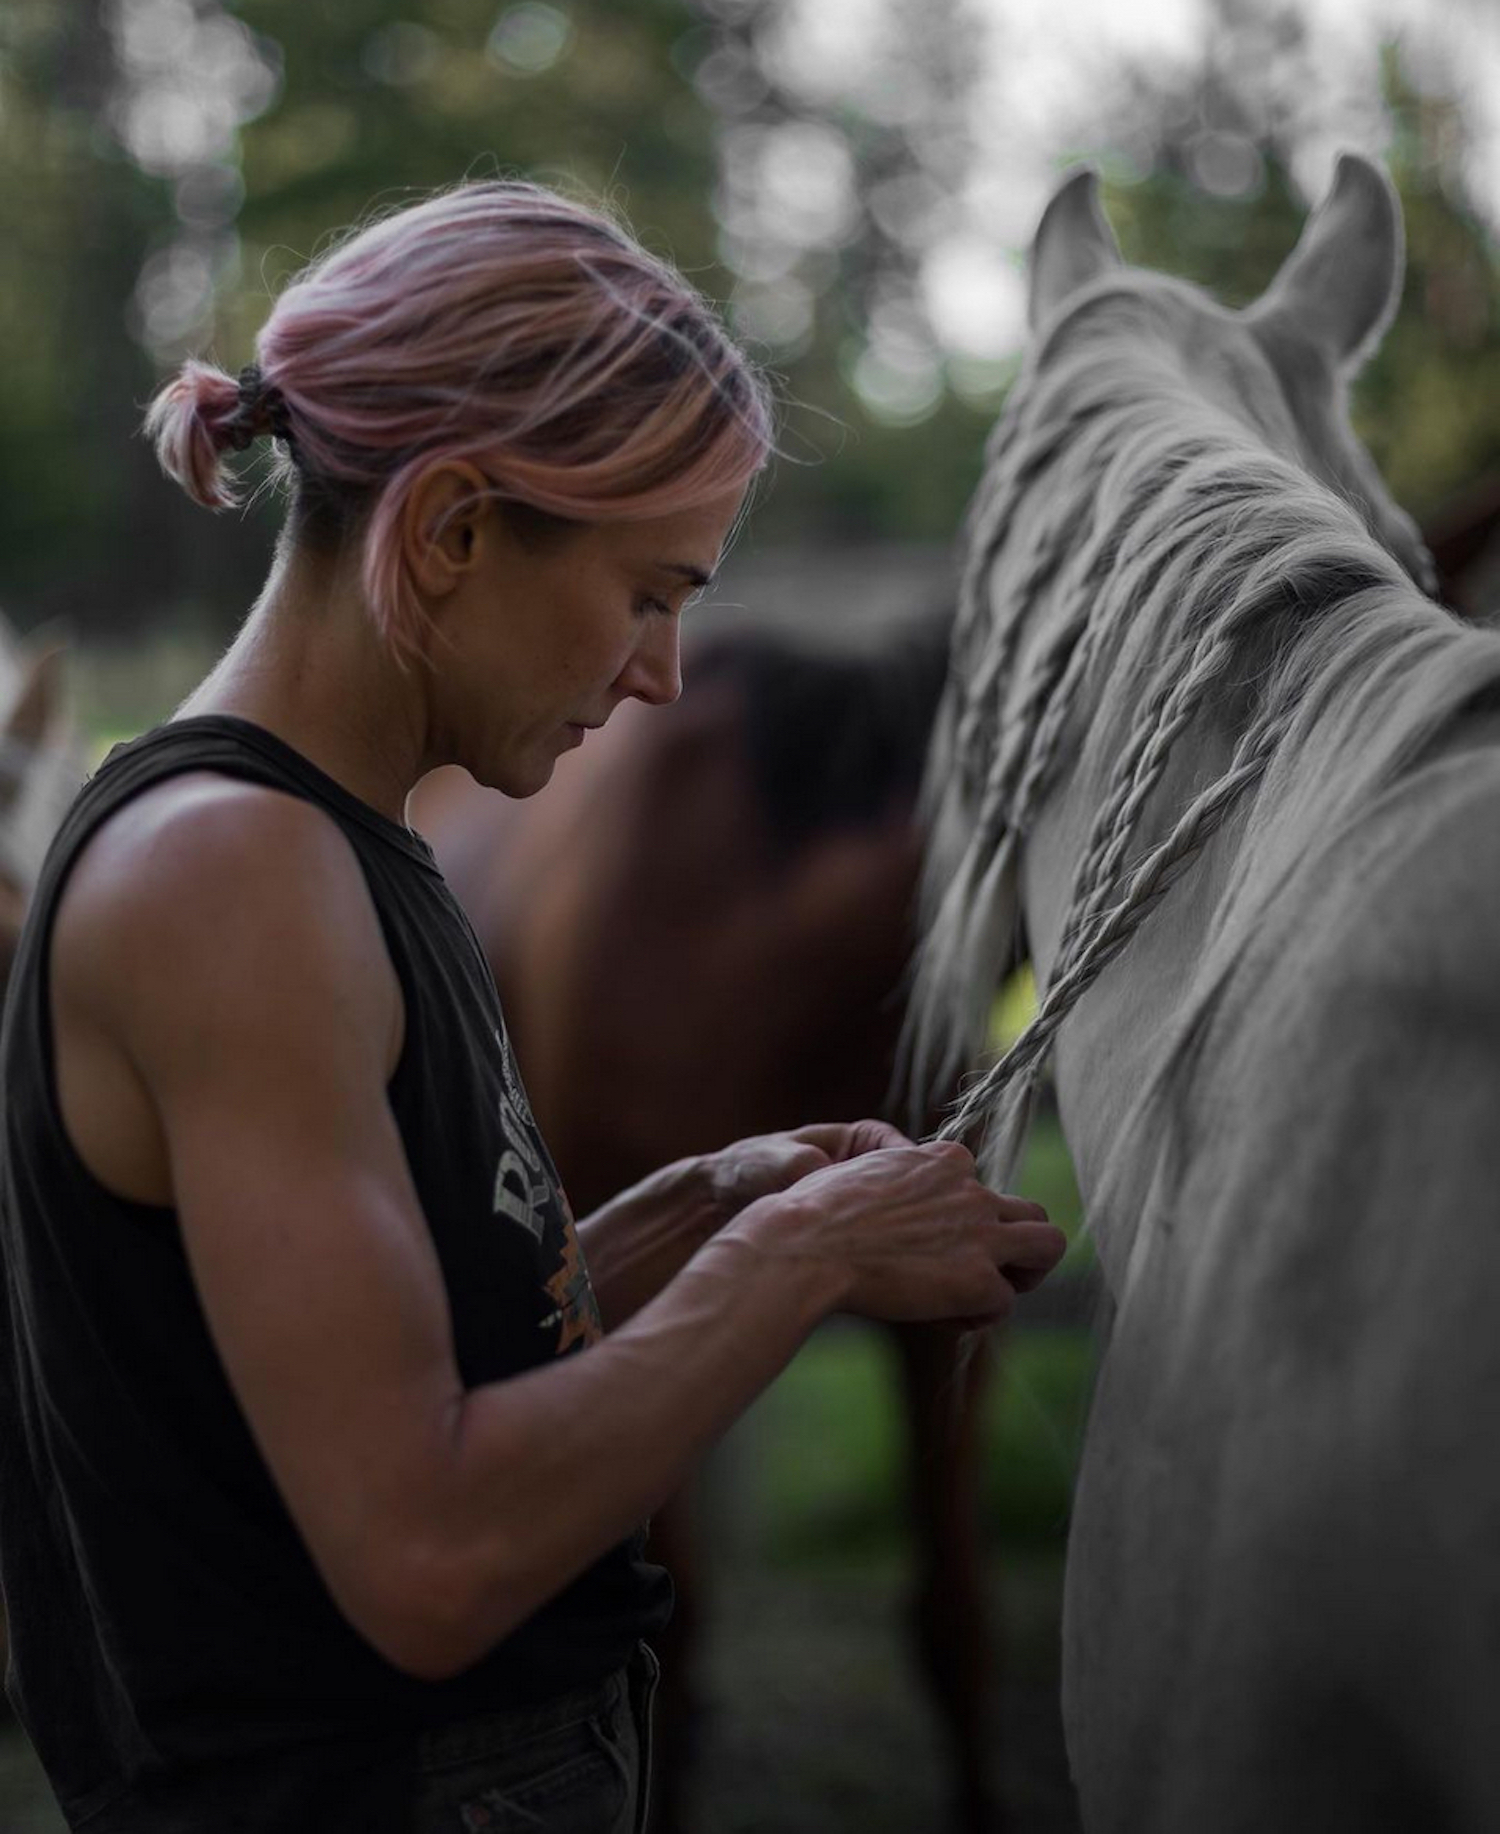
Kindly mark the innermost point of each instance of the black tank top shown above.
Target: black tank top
(164, 1613)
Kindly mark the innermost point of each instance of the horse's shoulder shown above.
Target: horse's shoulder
(1412, 910)
(1360, 1027)
(1372, 974)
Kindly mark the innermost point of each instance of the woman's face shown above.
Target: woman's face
(544, 639)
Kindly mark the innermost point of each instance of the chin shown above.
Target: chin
(516, 780)
(527, 780)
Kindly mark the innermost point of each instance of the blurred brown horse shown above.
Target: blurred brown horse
(700, 932)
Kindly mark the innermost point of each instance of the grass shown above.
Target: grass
(831, 1452)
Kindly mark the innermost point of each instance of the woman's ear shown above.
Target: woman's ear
(446, 518)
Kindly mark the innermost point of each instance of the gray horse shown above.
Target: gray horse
(41, 768)
(1208, 744)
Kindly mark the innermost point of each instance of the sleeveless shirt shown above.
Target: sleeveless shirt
(164, 1612)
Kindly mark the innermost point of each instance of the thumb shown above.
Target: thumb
(799, 1158)
(850, 1139)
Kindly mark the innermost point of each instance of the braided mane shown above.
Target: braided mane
(1142, 553)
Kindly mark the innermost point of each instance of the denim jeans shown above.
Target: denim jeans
(579, 1764)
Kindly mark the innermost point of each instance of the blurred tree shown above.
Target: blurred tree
(845, 140)
(1220, 207)
(868, 175)
(181, 158)
(74, 215)
(856, 181)
(381, 108)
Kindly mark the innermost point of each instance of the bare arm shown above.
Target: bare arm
(643, 1238)
(242, 970)
(639, 1241)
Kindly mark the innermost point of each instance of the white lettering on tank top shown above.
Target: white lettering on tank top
(521, 1184)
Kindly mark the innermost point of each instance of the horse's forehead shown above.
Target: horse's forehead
(1162, 303)
(1137, 310)
(1223, 342)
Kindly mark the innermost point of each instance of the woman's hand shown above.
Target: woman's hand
(766, 1163)
(643, 1237)
(907, 1231)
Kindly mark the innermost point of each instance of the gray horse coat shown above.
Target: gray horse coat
(1238, 779)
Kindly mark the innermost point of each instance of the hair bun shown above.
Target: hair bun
(204, 413)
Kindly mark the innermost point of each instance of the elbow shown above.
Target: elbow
(423, 1614)
(420, 1649)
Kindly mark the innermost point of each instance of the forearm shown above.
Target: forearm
(549, 1469)
(642, 1239)
(493, 1499)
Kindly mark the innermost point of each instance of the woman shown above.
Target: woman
(327, 1438)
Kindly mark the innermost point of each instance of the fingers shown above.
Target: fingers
(845, 1141)
(1002, 1297)
(1028, 1252)
(916, 1231)
(850, 1139)
(803, 1159)
(1029, 1244)
(1020, 1209)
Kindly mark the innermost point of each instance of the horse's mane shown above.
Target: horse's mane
(836, 728)
(1157, 556)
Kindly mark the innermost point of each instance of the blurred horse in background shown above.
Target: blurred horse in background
(41, 768)
(1202, 712)
(700, 932)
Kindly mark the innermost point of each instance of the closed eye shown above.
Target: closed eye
(647, 606)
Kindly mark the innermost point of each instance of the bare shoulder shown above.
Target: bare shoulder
(210, 899)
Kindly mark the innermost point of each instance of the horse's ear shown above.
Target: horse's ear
(1074, 244)
(1342, 282)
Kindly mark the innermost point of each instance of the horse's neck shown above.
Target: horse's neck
(1388, 692)
(1113, 1041)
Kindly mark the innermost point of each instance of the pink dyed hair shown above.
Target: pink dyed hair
(496, 323)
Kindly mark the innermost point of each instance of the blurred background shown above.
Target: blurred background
(855, 181)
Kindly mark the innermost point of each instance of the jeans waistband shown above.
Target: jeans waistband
(469, 1737)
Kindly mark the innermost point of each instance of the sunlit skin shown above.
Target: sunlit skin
(528, 644)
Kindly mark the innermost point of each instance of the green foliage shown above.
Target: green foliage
(354, 107)
(833, 1456)
(1428, 404)
(74, 217)
(375, 110)
(366, 111)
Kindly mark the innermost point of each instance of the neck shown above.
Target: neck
(309, 666)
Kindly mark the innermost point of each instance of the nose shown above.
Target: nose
(654, 672)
